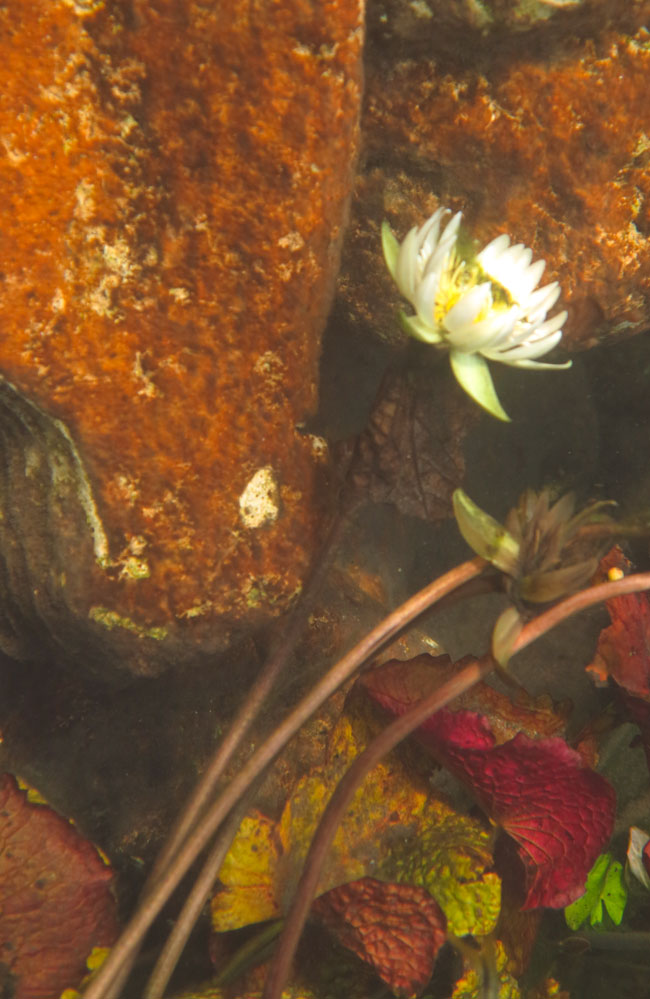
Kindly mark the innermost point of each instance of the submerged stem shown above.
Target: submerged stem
(253, 703)
(388, 739)
(184, 924)
(338, 804)
(102, 987)
(579, 601)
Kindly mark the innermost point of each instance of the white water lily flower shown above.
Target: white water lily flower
(489, 307)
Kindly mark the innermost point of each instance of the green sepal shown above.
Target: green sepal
(473, 375)
(507, 630)
(485, 535)
(390, 245)
(605, 887)
(418, 329)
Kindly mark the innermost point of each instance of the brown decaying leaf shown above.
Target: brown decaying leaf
(558, 812)
(57, 902)
(410, 453)
(396, 928)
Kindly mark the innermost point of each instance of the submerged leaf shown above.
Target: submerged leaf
(604, 887)
(394, 830)
(485, 535)
(638, 855)
(410, 453)
(558, 813)
(396, 929)
(57, 901)
(623, 652)
(247, 876)
(484, 981)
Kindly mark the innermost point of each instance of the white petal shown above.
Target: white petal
(424, 299)
(484, 334)
(450, 235)
(551, 325)
(529, 280)
(490, 254)
(535, 348)
(542, 365)
(526, 350)
(468, 307)
(429, 233)
(541, 301)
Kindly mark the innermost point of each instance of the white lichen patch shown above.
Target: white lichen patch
(271, 366)
(85, 200)
(84, 7)
(292, 241)
(421, 9)
(117, 257)
(131, 563)
(319, 447)
(58, 301)
(148, 388)
(198, 610)
(127, 489)
(259, 504)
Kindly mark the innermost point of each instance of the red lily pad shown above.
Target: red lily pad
(57, 903)
(557, 813)
(397, 929)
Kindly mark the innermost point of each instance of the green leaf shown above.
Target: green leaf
(615, 893)
(390, 246)
(473, 375)
(485, 535)
(605, 886)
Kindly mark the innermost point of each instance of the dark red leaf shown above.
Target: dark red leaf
(396, 928)
(558, 812)
(623, 652)
(56, 898)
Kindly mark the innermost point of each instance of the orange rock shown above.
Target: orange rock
(540, 136)
(174, 180)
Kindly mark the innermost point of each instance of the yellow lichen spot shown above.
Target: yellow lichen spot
(33, 796)
(97, 957)
(259, 504)
(134, 568)
(111, 619)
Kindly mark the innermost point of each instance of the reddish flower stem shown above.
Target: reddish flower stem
(579, 601)
(388, 739)
(104, 985)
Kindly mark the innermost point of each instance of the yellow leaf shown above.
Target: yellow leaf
(394, 830)
(248, 877)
